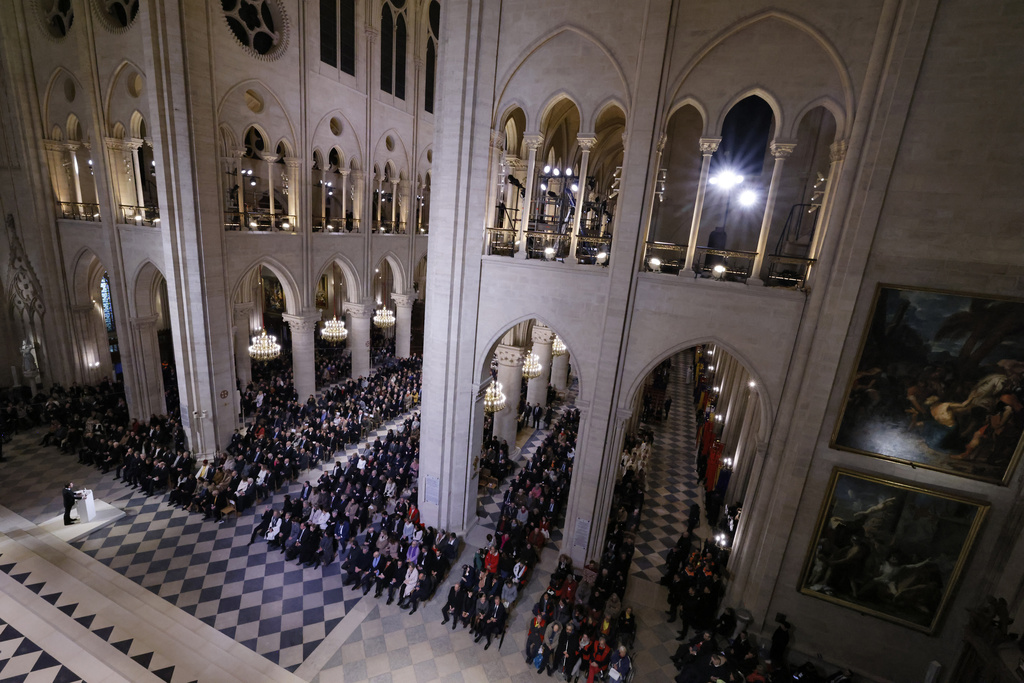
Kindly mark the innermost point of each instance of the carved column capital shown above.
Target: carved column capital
(303, 323)
(143, 322)
(709, 146)
(270, 158)
(292, 162)
(837, 150)
(371, 34)
(782, 150)
(509, 356)
(497, 139)
(533, 141)
(243, 310)
(586, 142)
(403, 300)
(543, 335)
(359, 310)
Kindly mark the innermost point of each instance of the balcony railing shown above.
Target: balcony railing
(724, 264)
(78, 212)
(546, 246)
(337, 226)
(593, 250)
(389, 227)
(664, 257)
(788, 271)
(138, 215)
(501, 242)
(258, 221)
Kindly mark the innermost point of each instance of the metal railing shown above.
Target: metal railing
(501, 242)
(593, 250)
(138, 215)
(724, 264)
(788, 271)
(337, 226)
(663, 257)
(78, 211)
(258, 221)
(546, 246)
(389, 227)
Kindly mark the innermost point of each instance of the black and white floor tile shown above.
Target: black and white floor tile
(22, 661)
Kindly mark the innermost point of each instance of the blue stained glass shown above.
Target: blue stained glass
(108, 309)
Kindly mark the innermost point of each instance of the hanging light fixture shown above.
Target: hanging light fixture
(384, 318)
(334, 329)
(558, 347)
(531, 366)
(264, 346)
(494, 398)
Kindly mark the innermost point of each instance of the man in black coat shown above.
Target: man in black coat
(68, 494)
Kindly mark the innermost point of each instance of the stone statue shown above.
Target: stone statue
(28, 360)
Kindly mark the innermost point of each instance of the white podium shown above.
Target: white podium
(86, 506)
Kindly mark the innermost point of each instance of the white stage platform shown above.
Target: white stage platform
(105, 514)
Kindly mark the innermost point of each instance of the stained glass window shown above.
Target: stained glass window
(108, 308)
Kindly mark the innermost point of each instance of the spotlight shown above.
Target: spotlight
(726, 179)
(252, 183)
(549, 252)
(751, 384)
(555, 172)
(568, 172)
(547, 168)
(543, 186)
(719, 271)
(655, 264)
(602, 256)
(574, 187)
(747, 198)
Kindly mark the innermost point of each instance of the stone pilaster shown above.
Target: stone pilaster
(303, 327)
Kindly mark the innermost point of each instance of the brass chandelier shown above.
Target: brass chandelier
(531, 366)
(494, 398)
(384, 318)
(264, 346)
(558, 347)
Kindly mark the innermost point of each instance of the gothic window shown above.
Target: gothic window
(118, 14)
(433, 31)
(338, 34)
(392, 48)
(259, 25)
(108, 308)
(57, 15)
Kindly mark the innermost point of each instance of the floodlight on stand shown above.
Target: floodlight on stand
(494, 398)
(555, 172)
(719, 271)
(747, 198)
(547, 169)
(558, 347)
(531, 366)
(549, 252)
(602, 257)
(655, 263)
(726, 180)
(574, 187)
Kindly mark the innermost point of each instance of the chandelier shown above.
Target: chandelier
(384, 318)
(531, 366)
(494, 398)
(558, 347)
(333, 330)
(264, 347)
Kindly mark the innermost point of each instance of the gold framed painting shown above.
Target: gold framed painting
(939, 384)
(890, 549)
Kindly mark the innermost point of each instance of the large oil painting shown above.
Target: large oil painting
(939, 384)
(889, 549)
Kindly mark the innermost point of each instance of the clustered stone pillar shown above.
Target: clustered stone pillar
(837, 154)
(537, 388)
(303, 328)
(403, 324)
(586, 144)
(243, 330)
(780, 151)
(510, 375)
(533, 143)
(292, 164)
(359, 316)
(708, 146)
(150, 380)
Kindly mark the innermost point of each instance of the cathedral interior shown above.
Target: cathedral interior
(562, 279)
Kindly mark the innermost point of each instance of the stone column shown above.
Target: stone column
(560, 372)
(537, 388)
(89, 354)
(292, 164)
(237, 155)
(740, 461)
(73, 151)
(243, 332)
(271, 160)
(837, 155)
(150, 379)
(781, 152)
(533, 141)
(510, 375)
(708, 146)
(359, 316)
(303, 327)
(403, 324)
(140, 202)
(344, 198)
(586, 144)
(494, 193)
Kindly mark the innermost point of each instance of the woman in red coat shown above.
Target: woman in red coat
(600, 654)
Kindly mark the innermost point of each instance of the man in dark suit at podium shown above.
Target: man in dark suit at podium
(69, 502)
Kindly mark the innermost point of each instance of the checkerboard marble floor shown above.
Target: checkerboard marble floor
(23, 661)
(300, 620)
(672, 484)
